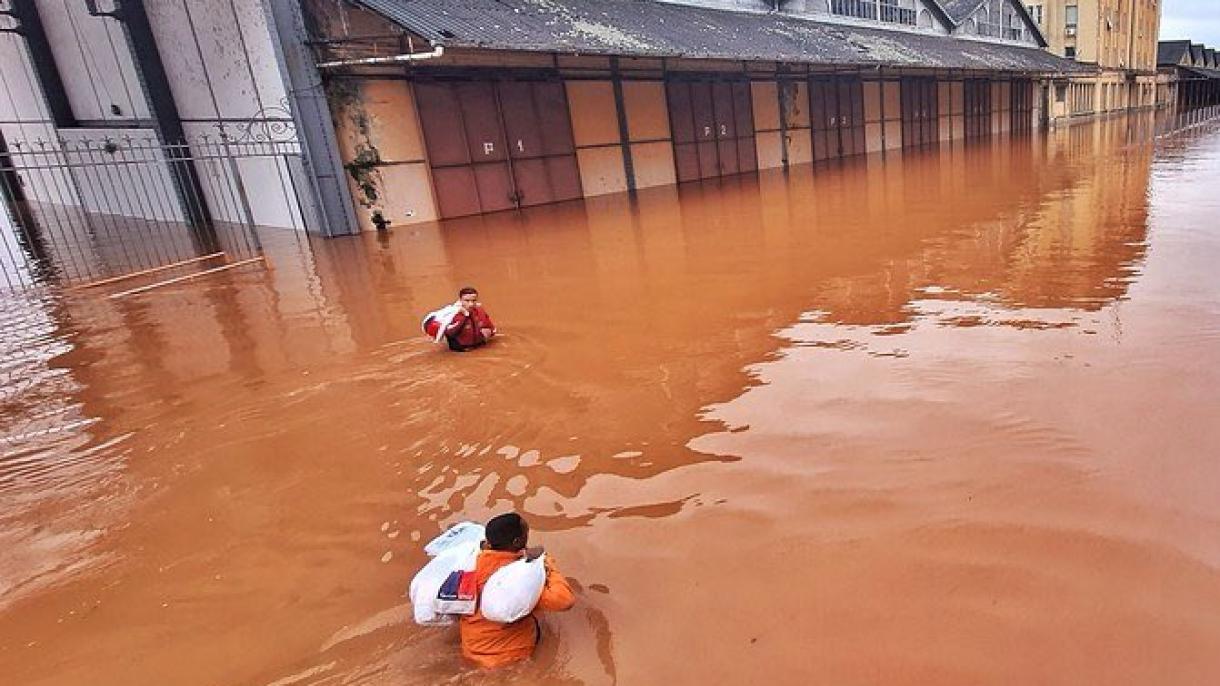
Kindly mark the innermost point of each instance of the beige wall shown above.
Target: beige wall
(794, 108)
(595, 133)
(647, 111)
(377, 124)
(652, 152)
(764, 97)
(891, 103)
(873, 120)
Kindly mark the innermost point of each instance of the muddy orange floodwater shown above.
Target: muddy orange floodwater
(951, 419)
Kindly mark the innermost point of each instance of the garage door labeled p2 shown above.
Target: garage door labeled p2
(713, 128)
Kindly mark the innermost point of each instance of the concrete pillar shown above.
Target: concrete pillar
(333, 212)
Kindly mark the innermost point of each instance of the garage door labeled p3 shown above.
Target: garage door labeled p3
(497, 145)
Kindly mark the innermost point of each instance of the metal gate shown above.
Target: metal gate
(1022, 105)
(85, 211)
(836, 111)
(920, 112)
(498, 145)
(713, 127)
(977, 97)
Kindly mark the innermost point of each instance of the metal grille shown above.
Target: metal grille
(84, 209)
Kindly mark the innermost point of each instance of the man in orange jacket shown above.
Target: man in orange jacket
(491, 644)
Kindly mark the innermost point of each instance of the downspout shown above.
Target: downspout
(438, 51)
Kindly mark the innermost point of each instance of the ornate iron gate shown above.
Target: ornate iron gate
(85, 210)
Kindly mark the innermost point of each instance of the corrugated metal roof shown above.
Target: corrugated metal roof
(641, 28)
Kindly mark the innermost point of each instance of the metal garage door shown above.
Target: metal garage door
(497, 145)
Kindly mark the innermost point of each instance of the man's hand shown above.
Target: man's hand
(534, 553)
(487, 333)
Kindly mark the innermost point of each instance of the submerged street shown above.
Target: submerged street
(948, 419)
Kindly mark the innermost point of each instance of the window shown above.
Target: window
(1060, 94)
(891, 12)
(1035, 11)
(1069, 52)
(1071, 15)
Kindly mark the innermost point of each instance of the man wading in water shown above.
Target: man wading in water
(491, 644)
(464, 324)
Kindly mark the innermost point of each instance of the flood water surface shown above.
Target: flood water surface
(948, 419)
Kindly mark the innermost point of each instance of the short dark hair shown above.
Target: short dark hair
(504, 531)
(468, 290)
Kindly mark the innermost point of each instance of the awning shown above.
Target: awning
(1201, 72)
(645, 28)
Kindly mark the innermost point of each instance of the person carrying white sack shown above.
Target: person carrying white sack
(492, 644)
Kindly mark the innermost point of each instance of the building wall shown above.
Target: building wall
(377, 120)
(224, 76)
(377, 123)
(1119, 37)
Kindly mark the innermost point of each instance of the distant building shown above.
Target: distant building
(1118, 38)
(1191, 73)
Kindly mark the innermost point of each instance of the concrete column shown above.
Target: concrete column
(333, 212)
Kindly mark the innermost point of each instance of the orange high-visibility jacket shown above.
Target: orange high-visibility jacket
(492, 644)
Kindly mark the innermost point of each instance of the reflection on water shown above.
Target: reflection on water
(946, 419)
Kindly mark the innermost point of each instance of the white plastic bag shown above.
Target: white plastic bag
(462, 532)
(427, 582)
(513, 591)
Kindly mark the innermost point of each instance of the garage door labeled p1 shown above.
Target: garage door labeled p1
(497, 145)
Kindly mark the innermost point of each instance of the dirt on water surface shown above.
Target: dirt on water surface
(946, 419)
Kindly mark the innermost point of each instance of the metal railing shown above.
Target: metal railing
(861, 9)
(84, 209)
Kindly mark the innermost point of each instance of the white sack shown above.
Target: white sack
(462, 532)
(513, 591)
(427, 582)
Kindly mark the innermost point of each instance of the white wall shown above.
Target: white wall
(94, 62)
(218, 56)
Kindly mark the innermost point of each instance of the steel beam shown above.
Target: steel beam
(29, 26)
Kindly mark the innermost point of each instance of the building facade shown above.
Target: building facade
(452, 108)
(1191, 76)
(1116, 37)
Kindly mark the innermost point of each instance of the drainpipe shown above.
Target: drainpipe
(438, 51)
